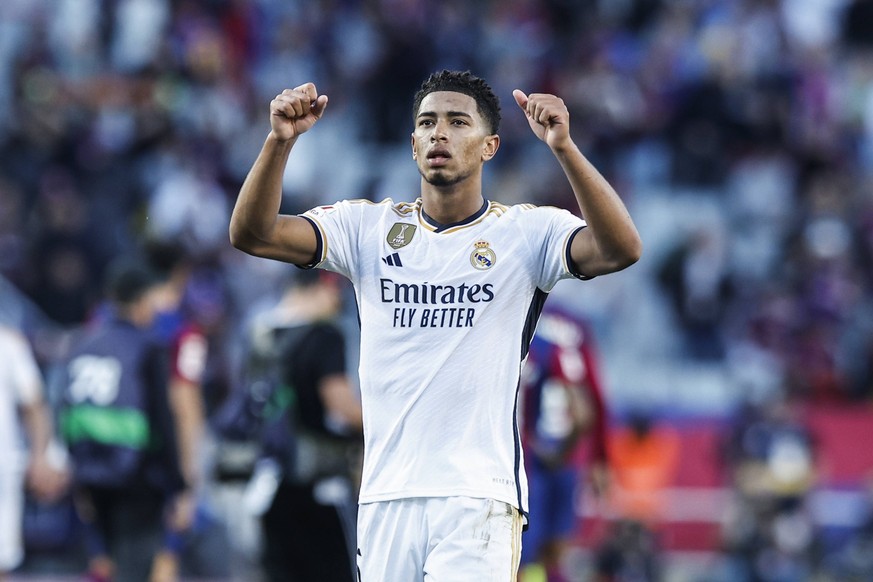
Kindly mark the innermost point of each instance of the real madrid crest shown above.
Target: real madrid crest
(400, 234)
(482, 257)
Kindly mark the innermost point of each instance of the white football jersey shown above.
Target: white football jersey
(20, 384)
(447, 313)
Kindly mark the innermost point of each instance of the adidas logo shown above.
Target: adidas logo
(392, 260)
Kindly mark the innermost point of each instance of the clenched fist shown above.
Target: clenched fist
(547, 116)
(294, 111)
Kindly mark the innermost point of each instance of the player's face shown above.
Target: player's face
(451, 140)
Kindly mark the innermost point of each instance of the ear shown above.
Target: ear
(412, 140)
(491, 145)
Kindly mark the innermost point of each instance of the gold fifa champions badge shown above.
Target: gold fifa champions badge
(400, 235)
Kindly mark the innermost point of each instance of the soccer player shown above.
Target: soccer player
(173, 327)
(561, 406)
(117, 422)
(21, 398)
(449, 288)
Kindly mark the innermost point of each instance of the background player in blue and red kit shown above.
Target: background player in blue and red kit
(174, 328)
(562, 403)
(186, 347)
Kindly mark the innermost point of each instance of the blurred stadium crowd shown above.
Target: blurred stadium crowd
(739, 133)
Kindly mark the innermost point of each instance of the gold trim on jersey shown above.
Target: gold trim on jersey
(322, 234)
(565, 252)
(517, 527)
(400, 208)
(493, 209)
(370, 202)
(405, 208)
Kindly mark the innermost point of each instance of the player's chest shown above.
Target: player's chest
(411, 250)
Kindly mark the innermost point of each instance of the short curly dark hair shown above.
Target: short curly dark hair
(464, 82)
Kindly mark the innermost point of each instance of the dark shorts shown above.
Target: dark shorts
(552, 512)
(125, 523)
(304, 539)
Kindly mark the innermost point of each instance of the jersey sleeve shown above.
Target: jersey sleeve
(550, 233)
(336, 228)
(26, 377)
(189, 353)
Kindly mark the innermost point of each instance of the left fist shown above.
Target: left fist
(547, 116)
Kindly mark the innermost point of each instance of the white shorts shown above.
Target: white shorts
(438, 539)
(11, 515)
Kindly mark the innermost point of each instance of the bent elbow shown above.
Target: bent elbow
(240, 238)
(630, 254)
(634, 253)
(236, 238)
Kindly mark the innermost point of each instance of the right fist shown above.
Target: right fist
(294, 111)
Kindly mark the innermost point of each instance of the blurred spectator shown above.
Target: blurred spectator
(69, 264)
(304, 486)
(695, 276)
(645, 456)
(117, 422)
(628, 552)
(189, 205)
(854, 560)
(771, 452)
(769, 533)
(561, 406)
(40, 469)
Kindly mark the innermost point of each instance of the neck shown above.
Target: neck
(139, 313)
(450, 204)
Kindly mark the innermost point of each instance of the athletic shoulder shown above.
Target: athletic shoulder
(525, 209)
(365, 206)
(532, 215)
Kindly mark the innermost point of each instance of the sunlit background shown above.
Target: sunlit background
(739, 133)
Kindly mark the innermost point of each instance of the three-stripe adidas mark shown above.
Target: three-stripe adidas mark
(392, 260)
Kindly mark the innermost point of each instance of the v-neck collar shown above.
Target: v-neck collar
(439, 227)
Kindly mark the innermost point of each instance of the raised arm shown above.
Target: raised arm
(611, 241)
(256, 226)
